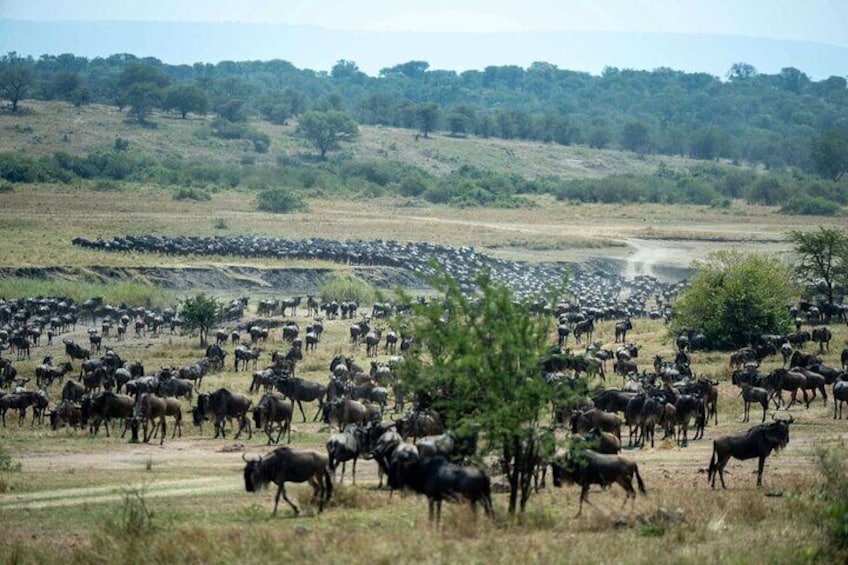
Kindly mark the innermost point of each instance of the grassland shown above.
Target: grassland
(74, 497)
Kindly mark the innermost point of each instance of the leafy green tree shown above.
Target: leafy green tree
(15, 81)
(479, 366)
(326, 129)
(65, 84)
(741, 71)
(427, 116)
(185, 98)
(829, 153)
(279, 201)
(734, 296)
(635, 137)
(231, 109)
(200, 312)
(142, 98)
(823, 258)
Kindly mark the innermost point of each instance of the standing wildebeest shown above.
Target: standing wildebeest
(844, 359)
(587, 467)
(244, 354)
(299, 390)
(344, 447)
(103, 408)
(582, 422)
(586, 327)
(780, 379)
(344, 411)
(840, 395)
(751, 394)
(149, 407)
(223, 404)
(287, 465)
(621, 329)
(273, 409)
(822, 336)
(419, 424)
(758, 441)
(438, 479)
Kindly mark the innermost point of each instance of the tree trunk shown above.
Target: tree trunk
(511, 459)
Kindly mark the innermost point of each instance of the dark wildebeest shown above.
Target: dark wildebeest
(587, 467)
(223, 404)
(844, 359)
(780, 379)
(105, 407)
(822, 336)
(273, 409)
(751, 394)
(758, 441)
(151, 408)
(840, 395)
(582, 422)
(287, 465)
(243, 354)
(344, 411)
(438, 479)
(621, 329)
(16, 401)
(343, 447)
(418, 424)
(299, 390)
(46, 374)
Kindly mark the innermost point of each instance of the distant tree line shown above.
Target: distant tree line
(780, 120)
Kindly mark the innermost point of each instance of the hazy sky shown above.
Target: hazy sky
(822, 21)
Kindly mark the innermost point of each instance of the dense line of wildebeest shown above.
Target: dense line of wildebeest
(412, 450)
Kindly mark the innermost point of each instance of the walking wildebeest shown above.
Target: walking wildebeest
(287, 465)
(758, 441)
(587, 467)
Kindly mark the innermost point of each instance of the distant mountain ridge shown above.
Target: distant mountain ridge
(318, 49)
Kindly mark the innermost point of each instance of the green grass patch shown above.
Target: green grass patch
(132, 292)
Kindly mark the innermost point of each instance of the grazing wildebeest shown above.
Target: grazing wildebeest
(243, 354)
(46, 374)
(223, 404)
(299, 390)
(758, 441)
(216, 355)
(587, 467)
(343, 447)
(287, 465)
(273, 409)
(438, 479)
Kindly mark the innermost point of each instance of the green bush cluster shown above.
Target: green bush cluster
(279, 201)
(190, 193)
(345, 287)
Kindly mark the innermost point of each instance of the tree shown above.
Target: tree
(478, 367)
(15, 80)
(634, 137)
(142, 98)
(326, 129)
(200, 312)
(823, 255)
(741, 71)
(427, 117)
(734, 296)
(829, 153)
(185, 98)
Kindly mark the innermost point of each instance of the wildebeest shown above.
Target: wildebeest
(287, 465)
(438, 479)
(299, 390)
(751, 394)
(758, 441)
(223, 404)
(151, 408)
(840, 395)
(844, 359)
(344, 411)
(343, 447)
(46, 374)
(16, 401)
(104, 407)
(582, 422)
(273, 409)
(621, 329)
(418, 424)
(587, 467)
(243, 354)
(780, 379)
(75, 350)
(822, 336)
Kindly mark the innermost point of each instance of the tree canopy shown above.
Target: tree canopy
(735, 296)
(478, 367)
(823, 255)
(200, 312)
(326, 129)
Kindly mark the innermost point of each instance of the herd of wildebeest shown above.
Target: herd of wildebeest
(88, 386)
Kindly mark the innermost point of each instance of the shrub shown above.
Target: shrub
(804, 205)
(279, 201)
(220, 224)
(347, 286)
(834, 473)
(6, 187)
(121, 144)
(188, 193)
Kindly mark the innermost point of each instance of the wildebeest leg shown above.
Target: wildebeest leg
(721, 464)
(760, 470)
(584, 496)
(164, 431)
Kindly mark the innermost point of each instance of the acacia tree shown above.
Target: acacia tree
(734, 296)
(200, 312)
(15, 80)
(823, 257)
(326, 129)
(185, 98)
(478, 366)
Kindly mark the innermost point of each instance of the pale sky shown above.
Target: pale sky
(821, 21)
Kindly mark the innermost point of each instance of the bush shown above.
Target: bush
(279, 201)
(834, 473)
(345, 287)
(804, 205)
(187, 193)
(6, 187)
(734, 296)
